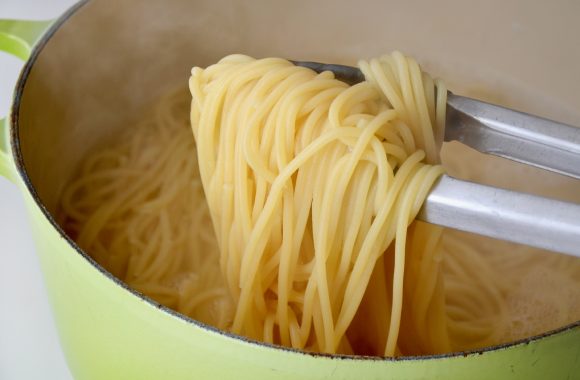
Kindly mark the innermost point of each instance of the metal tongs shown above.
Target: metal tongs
(508, 215)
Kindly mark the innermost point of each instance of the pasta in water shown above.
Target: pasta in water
(288, 217)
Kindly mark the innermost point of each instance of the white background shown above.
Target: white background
(29, 348)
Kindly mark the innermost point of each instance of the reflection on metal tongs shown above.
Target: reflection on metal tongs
(508, 215)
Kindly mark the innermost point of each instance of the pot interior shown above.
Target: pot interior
(109, 60)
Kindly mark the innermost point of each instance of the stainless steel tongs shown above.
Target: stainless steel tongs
(508, 215)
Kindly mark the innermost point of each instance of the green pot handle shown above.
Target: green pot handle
(17, 38)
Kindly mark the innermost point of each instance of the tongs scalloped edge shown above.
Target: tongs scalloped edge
(503, 214)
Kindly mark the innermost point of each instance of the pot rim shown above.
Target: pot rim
(21, 169)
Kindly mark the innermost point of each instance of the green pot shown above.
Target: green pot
(103, 60)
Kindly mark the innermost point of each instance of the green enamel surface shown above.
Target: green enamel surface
(18, 36)
(6, 165)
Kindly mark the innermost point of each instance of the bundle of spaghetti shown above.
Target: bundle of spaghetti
(137, 207)
(312, 185)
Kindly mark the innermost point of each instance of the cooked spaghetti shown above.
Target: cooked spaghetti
(312, 187)
(138, 209)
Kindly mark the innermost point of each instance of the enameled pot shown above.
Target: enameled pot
(102, 60)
